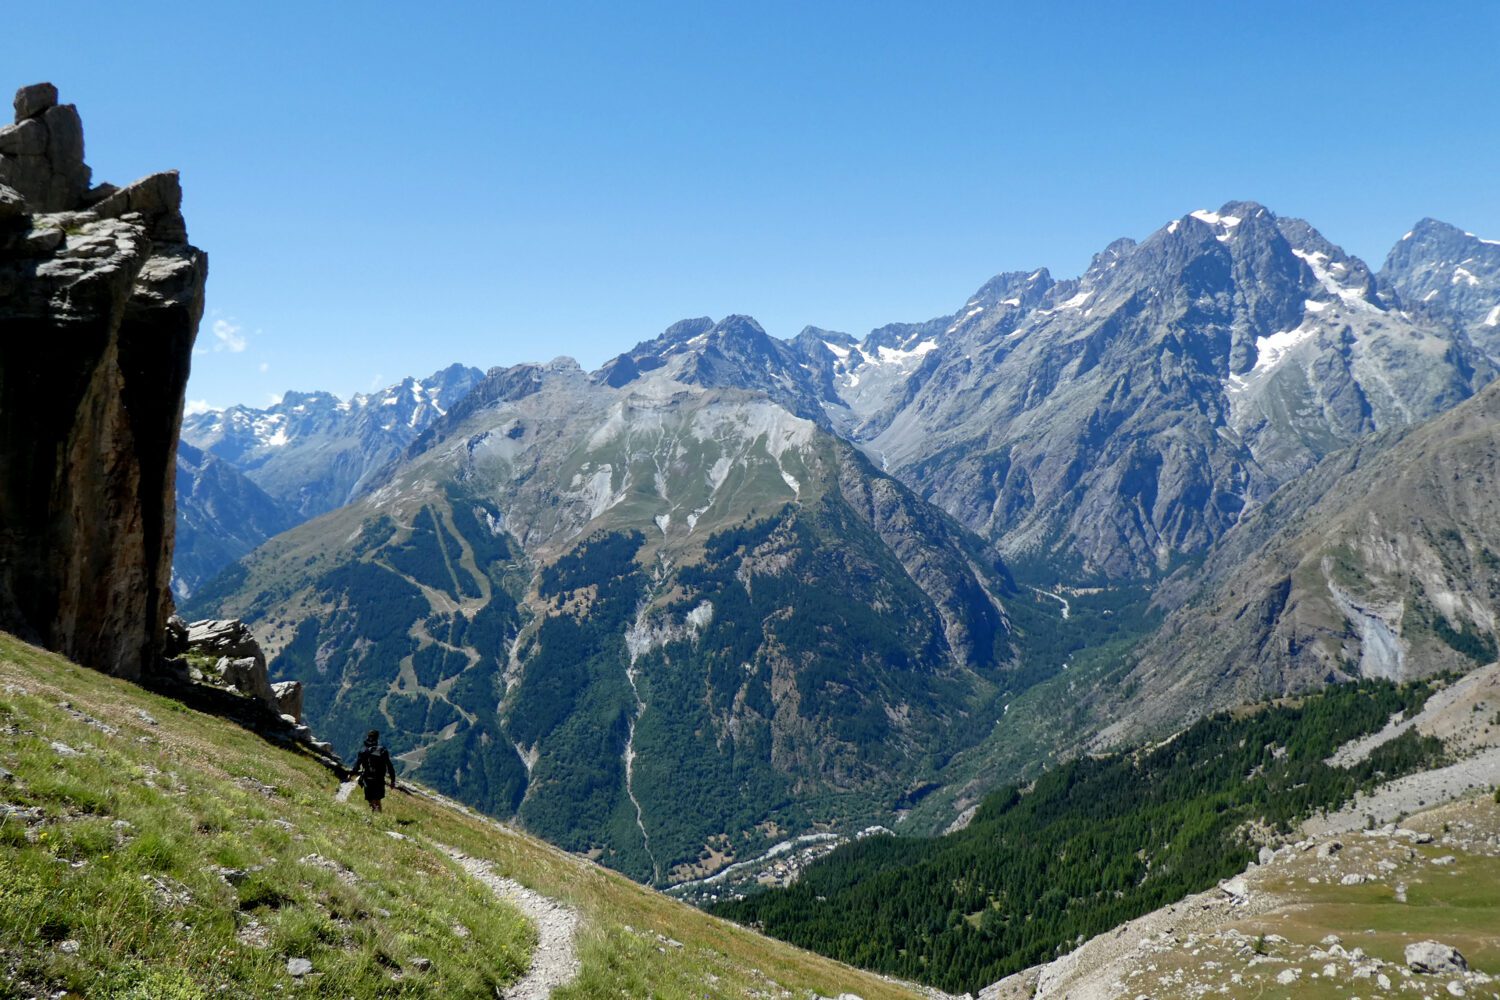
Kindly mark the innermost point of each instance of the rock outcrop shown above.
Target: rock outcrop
(100, 299)
(240, 663)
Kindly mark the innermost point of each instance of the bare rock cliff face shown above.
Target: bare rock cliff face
(100, 298)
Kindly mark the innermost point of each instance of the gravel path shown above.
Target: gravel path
(554, 963)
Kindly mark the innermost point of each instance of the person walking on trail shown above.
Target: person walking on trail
(373, 766)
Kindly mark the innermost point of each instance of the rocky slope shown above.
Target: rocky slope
(703, 617)
(1382, 562)
(312, 451)
(1351, 899)
(100, 297)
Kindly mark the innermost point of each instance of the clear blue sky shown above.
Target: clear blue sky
(386, 188)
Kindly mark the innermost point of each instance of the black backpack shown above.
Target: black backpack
(372, 766)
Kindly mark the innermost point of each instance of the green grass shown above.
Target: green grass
(136, 825)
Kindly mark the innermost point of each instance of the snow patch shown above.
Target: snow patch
(842, 353)
(1318, 263)
(1215, 219)
(1010, 302)
(1493, 319)
(892, 355)
(1270, 350)
(1077, 300)
(1465, 275)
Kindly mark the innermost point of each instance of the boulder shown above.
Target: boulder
(1435, 958)
(33, 100)
(248, 675)
(41, 155)
(288, 698)
(223, 637)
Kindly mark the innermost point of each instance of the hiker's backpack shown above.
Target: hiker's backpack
(372, 765)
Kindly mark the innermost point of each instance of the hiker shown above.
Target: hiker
(372, 766)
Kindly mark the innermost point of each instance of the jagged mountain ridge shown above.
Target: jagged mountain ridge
(1127, 419)
(1119, 423)
(675, 590)
(313, 451)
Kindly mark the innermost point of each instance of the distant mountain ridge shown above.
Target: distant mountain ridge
(314, 451)
(246, 474)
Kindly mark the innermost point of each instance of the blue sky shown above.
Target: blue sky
(386, 188)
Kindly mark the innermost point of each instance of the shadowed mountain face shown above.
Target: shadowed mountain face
(221, 516)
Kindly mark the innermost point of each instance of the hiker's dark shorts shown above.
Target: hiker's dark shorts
(374, 793)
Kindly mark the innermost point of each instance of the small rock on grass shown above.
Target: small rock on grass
(298, 967)
(421, 964)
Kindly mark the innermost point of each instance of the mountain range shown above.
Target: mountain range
(728, 587)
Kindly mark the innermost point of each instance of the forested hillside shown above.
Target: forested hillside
(1090, 845)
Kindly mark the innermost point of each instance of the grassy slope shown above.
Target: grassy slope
(152, 919)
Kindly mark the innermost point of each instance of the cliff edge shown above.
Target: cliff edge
(100, 298)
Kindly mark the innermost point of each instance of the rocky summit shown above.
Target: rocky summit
(100, 298)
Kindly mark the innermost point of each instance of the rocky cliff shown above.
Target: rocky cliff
(100, 298)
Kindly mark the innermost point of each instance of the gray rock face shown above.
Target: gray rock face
(242, 664)
(1378, 562)
(223, 637)
(100, 303)
(1434, 958)
(247, 674)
